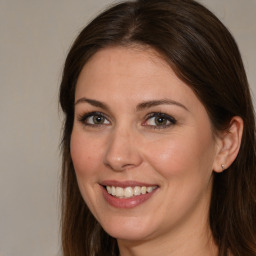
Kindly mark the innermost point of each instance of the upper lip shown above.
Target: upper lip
(127, 183)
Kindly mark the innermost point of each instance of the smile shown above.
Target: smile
(128, 192)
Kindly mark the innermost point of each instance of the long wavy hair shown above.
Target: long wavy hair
(204, 55)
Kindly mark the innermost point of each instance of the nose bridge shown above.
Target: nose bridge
(122, 151)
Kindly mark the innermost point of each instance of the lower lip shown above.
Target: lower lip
(126, 202)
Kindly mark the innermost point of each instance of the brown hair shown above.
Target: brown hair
(205, 56)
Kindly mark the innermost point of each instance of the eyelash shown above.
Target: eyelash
(84, 118)
(172, 121)
(168, 118)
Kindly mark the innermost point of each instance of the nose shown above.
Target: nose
(122, 150)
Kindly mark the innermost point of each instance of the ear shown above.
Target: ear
(228, 144)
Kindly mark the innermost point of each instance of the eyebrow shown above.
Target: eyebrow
(140, 107)
(153, 103)
(92, 102)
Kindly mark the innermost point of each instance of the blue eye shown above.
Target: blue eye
(94, 118)
(159, 120)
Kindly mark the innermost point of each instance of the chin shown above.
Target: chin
(128, 229)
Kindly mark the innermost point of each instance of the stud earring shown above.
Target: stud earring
(223, 167)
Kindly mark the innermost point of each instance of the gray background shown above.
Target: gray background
(35, 36)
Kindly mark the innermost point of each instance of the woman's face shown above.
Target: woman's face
(142, 146)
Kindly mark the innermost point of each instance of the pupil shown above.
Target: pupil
(160, 120)
(98, 119)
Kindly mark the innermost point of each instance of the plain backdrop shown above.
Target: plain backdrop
(35, 36)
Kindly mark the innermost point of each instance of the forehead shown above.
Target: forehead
(129, 71)
(125, 61)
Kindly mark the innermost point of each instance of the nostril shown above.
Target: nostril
(122, 152)
(119, 166)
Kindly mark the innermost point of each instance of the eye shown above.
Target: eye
(94, 119)
(159, 120)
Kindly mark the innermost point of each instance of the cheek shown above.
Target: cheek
(85, 155)
(170, 159)
(183, 154)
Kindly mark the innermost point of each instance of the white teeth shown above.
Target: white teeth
(119, 192)
(113, 191)
(136, 191)
(129, 191)
(143, 190)
(109, 189)
(149, 189)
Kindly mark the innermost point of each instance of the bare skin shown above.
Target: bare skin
(137, 122)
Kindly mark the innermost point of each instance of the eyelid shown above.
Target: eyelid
(83, 117)
(169, 118)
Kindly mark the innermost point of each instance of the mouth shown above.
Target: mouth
(129, 192)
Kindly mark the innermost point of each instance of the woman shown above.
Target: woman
(159, 136)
